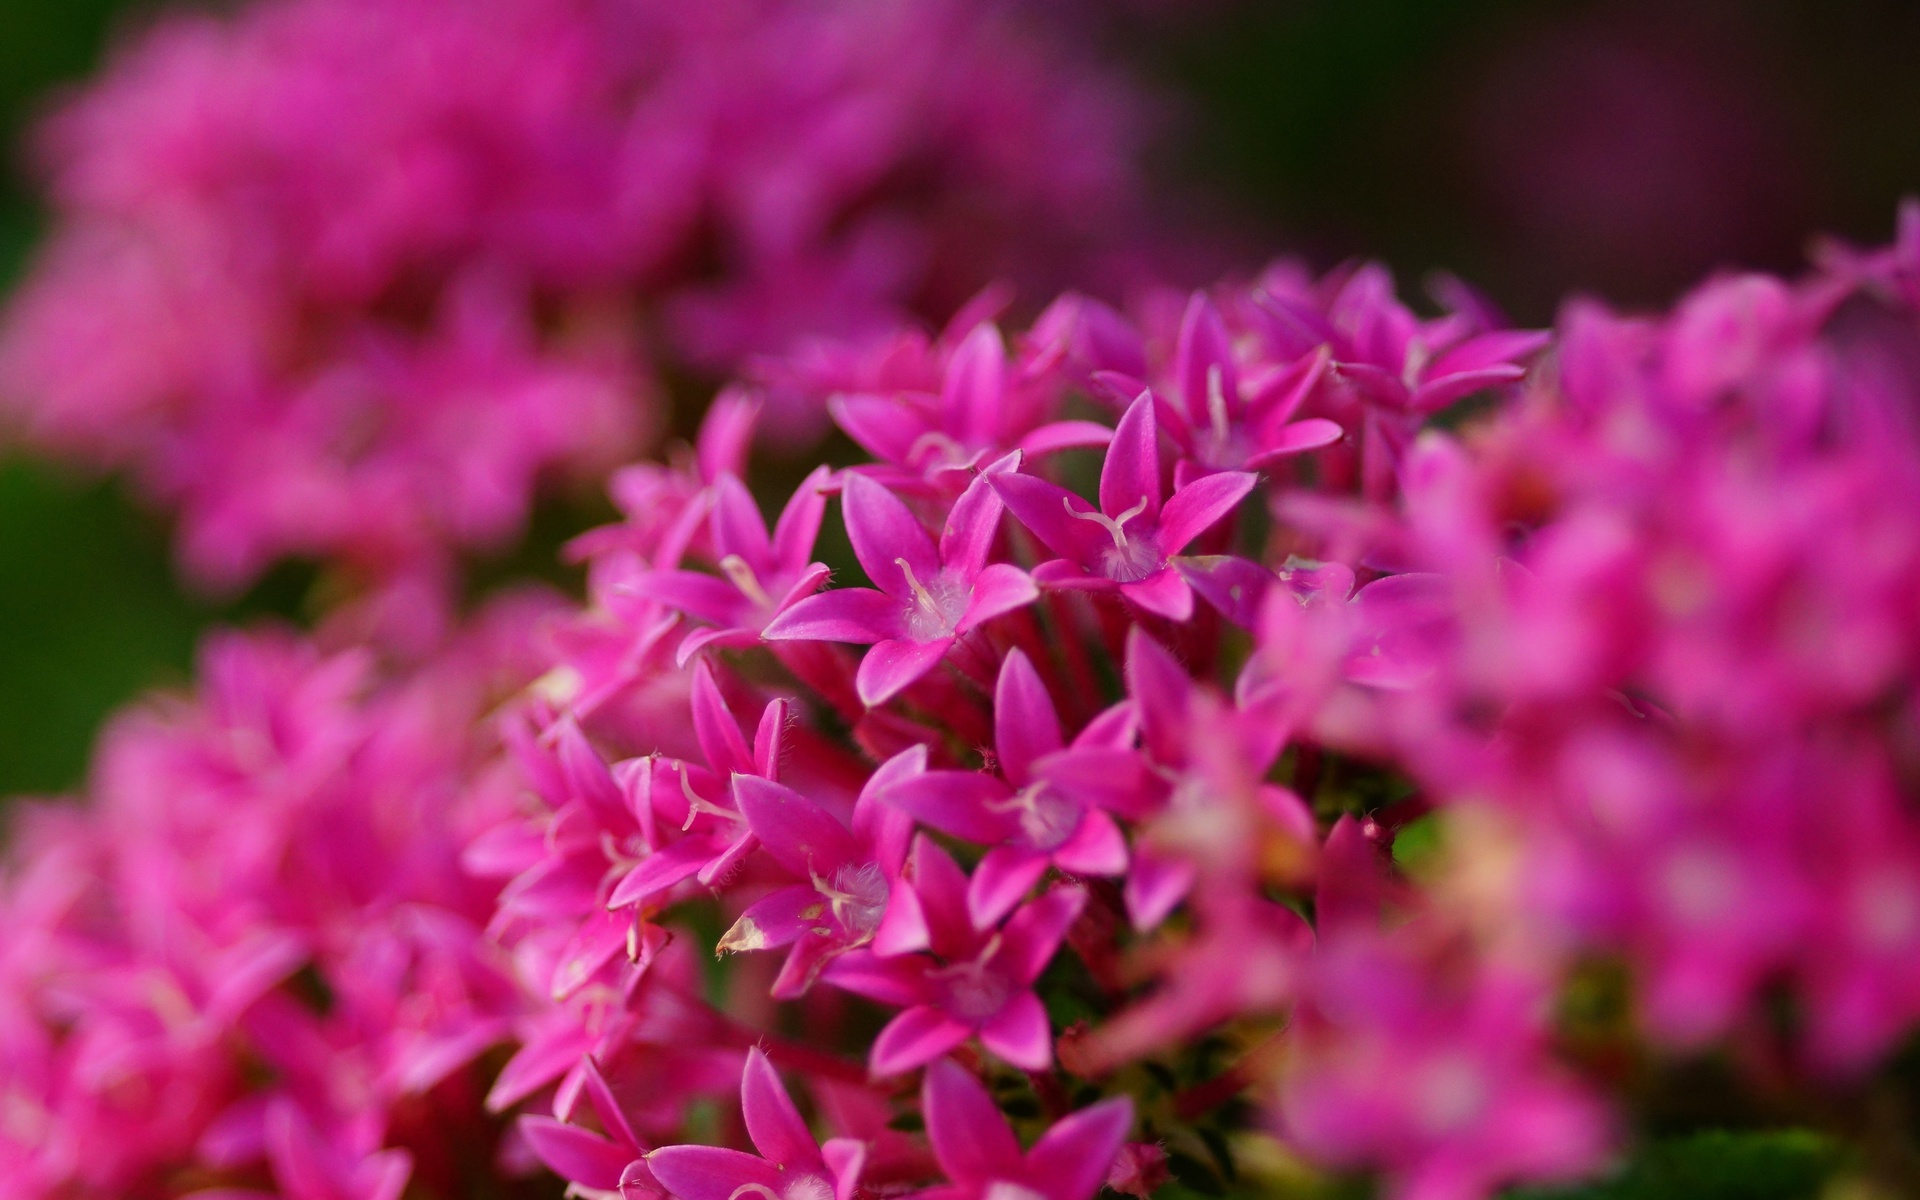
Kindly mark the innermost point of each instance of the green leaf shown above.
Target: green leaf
(1779, 1165)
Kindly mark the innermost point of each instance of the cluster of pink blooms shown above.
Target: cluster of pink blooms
(347, 279)
(253, 961)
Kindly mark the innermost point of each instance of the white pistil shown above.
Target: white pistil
(920, 592)
(696, 806)
(1115, 526)
(740, 575)
(1217, 404)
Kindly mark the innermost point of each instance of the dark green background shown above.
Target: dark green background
(1411, 131)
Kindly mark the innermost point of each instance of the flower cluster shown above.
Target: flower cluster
(1008, 812)
(253, 963)
(345, 279)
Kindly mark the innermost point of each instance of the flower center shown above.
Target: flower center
(1046, 817)
(935, 610)
(1130, 558)
(858, 897)
(973, 990)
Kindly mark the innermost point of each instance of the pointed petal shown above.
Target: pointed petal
(884, 533)
(942, 887)
(726, 433)
(799, 524)
(1002, 880)
(1096, 848)
(714, 727)
(587, 776)
(1202, 349)
(1019, 1033)
(1025, 725)
(1065, 435)
(890, 666)
(974, 397)
(773, 920)
(1502, 347)
(901, 982)
(1076, 1154)
(858, 615)
(1046, 512)
(798, 834)
(971, 1138)
(884, 426)
(903, 927)
(997, 591)
(663, 868)
(1436, 395)
(737, 525)
(954, 802)
(1154, 886)
(1031, 935)
(971, 526)
(574, 1154)
(773, 1122)
(914, 1038)
(1235, 587)
(707, 597)
(1161, 687)
(1200, 505)
(769, 738)
(1132, 470)
(1064, 573)
(1163, 592)
(846, 1158)
(1297, 438)
(711, 1172)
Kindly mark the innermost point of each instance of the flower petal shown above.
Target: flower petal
(1002, 880)
(971, 1138)
(858, 615)
(800, 835)
(1200, 505)
(971, 526)
(998, 590)
(1065, 435)
(710, 1172)
(914, 1038)
(1046, 512)
(714, 727)
(773, 1122)
(974, 398)
(955, 802)
(885, 532)
(1075, 1155)
(1163, 592)
(1297, 438)
(890, 666)
(1096, 848)
(1019, 1033)
(799, 525)
(1031, 936)
(1131, 473)
(738, 528)
(575, 1154)
(1203, 347)
(1025, 725)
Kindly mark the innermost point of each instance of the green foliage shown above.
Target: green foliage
(1782, 1165)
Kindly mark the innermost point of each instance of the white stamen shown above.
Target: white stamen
(740, 575)
(1217, 404)
(696, 806)
(1115, 526)
(919, 589)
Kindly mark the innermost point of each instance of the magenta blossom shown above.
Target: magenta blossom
(976, 1148)
(971, 981)
(1129, 541)
(791, 1165)
(928, 598)
(1044, 807)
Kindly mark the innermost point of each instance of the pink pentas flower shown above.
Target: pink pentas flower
(928, 597)
(1029, 817)
(1225, 417)
(1128, 542)
(791, 1165)
(969, 981)
(979, 415)
(851, 875)
(976, 1148)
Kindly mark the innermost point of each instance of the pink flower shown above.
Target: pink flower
(976, 1148)
(927, 599)
(970, 982)
(791, 1164)
(1128, 542)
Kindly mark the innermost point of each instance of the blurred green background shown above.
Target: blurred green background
(1536, 147)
